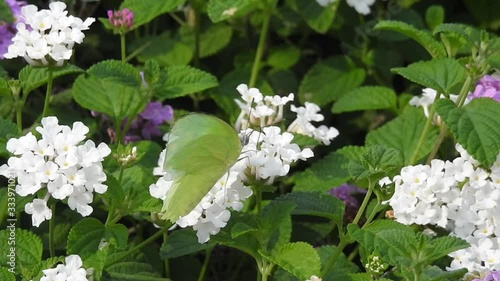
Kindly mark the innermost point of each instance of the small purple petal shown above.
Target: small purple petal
(487, 87)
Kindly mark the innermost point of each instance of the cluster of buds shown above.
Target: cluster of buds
(122, 20)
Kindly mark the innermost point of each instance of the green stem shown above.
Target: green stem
(260, 46)
(196, 55)
(365, 202)
(464, 91)
(122, 47)
(372, 214)
(51, 230)
(342, 244)
(203, 271)
(258, 200)
(137, 247)
(165, 262)
(50, 78)
(423, 135)
(19, 116)
(437, 144)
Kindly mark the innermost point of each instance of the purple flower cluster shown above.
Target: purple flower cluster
(145, 125)
(8, 30)
(122, 20)
(487, 87)
(345, 193)
(493, 276)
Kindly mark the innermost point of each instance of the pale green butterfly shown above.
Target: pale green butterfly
(200, 150)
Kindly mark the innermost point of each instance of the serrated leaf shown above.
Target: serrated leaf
(116, 71)
(6, 275)
(442, 246)
(219, 10)
(34, 77)
(434, 16)
(212, 39)
(86, 236)
(134, 180)
(132, 271)
(403, 134)
(434, 273)
(276, 225)
(475, 126)
(366, 98)
(317, 17)
(145, 11)
(314, 204)
(182, 242)
(185, 80)
(152, 73)
(343, 267)
(439, 74)
(25, 247)
(424, 38)
(323, 174)
(299, 258)
(392, 241)
(378, 161)
(241, 228)
(165, 50)
(360, 277)
(245, 243)
(283, 57)
(465, 32)
(328, 80)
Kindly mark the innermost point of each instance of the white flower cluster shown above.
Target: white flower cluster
(427, 99)
(266, 111)
(70, 271)
(361, 6)
(47, 36)
(267, 155)
(457, 195)
(314, 278)
(59, 163)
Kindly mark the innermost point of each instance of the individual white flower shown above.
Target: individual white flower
(39, 211)
(59, 163)
(302, 124)
(47, 37)
(71, 270)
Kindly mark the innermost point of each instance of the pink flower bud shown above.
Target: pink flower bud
(123, 19)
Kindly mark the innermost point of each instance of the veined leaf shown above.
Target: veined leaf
(28, 249)
(34, 77)
(283, 57)
(475, 126)
(434, 16)
(328, 80)
(212, 39)
(276, 226)
(318, 18)
(343, 267)
(219, 10)
(36, 271)
(378, 161)
(116, 71)
(299, 258)
(165, 50)
(424, 38)
(5, 274)
(366, 98)
(146, 11)
(441, 75)
(185, 80)
(467, 33)
(403, 134)
(182, 242)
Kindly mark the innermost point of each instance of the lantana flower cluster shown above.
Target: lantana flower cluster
(459, 196)
(71, 270)
(260, 110)
(59, 164)
(47, 37)
(122, 20)
(7, 30)
(265, 156)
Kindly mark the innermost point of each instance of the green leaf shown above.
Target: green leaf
(299, 258)
(146, 11)
(219, 10)
(182, 242)
(378, 161)
(245, 243)
(276, 225)
(116, 71)
(134, 180)
(21, 247)
(314, 204)
(366, 98)
(465, 32)
(434, 16)
(441, 75)
(37, 273)
(86, 236)
(185, 80)
(34, 77)
(283, 57)
(164, 49)
(8, 130)
(324, 174)
(393, 241)
(6, 14)
(328, 80)
(403, 134)
(5, 274)
(434, 273)
(212, 39)
(475, 126)
(4, 87)
(360, 277)
(442, 246)
(318, 18)
(424, 38)
(343, 267)
(132, 271)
